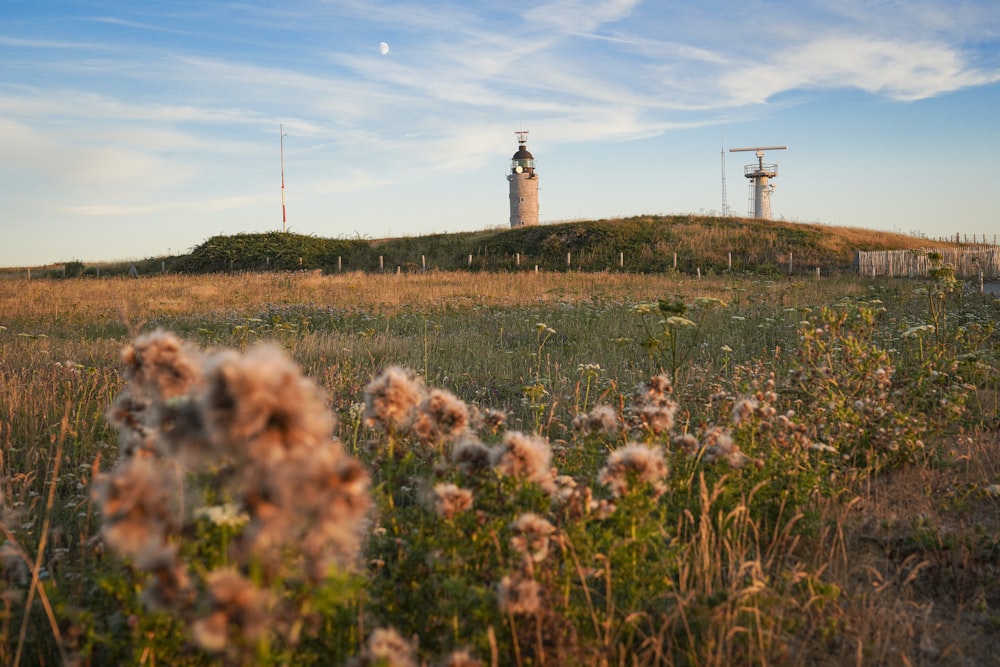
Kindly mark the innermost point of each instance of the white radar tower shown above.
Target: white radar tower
(760, 176)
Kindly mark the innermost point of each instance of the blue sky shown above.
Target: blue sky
(134, 129)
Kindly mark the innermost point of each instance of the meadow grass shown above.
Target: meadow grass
(780, 472)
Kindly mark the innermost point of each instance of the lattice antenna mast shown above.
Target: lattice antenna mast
(722, 152)
(760, 176)
(281, 140)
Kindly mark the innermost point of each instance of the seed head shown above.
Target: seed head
(634, 462)
(386, 648)
(531, 536)
(441, 417)
(602, 419)
(391, 400)
(525, 457)
(449, 500)
(519, 596)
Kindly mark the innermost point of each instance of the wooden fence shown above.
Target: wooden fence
(968, 262)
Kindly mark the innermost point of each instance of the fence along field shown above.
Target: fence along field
(749, 471)
(967, 262)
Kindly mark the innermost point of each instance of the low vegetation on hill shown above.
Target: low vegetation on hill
(642, 244)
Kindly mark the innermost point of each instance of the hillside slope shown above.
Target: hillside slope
(637, 244)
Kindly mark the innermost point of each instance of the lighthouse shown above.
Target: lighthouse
(523, 185)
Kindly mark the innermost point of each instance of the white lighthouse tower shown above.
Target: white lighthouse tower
(523, 185)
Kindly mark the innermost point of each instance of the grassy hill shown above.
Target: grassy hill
(637, 244)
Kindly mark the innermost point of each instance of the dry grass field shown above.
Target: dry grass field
(451, 468)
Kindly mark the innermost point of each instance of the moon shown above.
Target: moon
(383, 48)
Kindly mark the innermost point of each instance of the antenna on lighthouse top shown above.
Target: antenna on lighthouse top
(522, 137)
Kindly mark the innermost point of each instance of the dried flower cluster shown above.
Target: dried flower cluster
(386, 648)
(398, 403)
(718, 445)
(295, 501)
(653, 406)
(526, 457)
(603, 419)
(449, 499)
(635, 463)
(518, 595)
(531, 536)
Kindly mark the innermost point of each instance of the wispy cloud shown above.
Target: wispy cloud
(109, 112)
(903, 71)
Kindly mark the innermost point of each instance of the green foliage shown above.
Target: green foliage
(644, 244)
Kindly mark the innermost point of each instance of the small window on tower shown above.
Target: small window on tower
(522, 200)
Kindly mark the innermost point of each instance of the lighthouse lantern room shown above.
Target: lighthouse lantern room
(523, 185)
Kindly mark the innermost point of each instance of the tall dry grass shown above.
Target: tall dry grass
(848, 568)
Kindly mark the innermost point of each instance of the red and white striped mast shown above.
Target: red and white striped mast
(284, 217)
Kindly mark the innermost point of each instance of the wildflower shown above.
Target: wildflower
(525, 457)
(601, 509)
(565, 487)
(386, 648)
(531, 536)
(228, 515)
(638, 462)
(654, 407)
(519, 596)
(137, 504)
(317, 501)
(260, 401)
(743, 410)
(441, 417)
(169, 587)
(159, 365)
(913, 331)
(299, 501)
(235, 600)
(643, 308)
(449, 500)
(719, 445)
(603, 419)
(470, 455)
(686, 443)
(488, 419)
(678, 322)
(708, 302)
(391, 400)
(460, 659)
